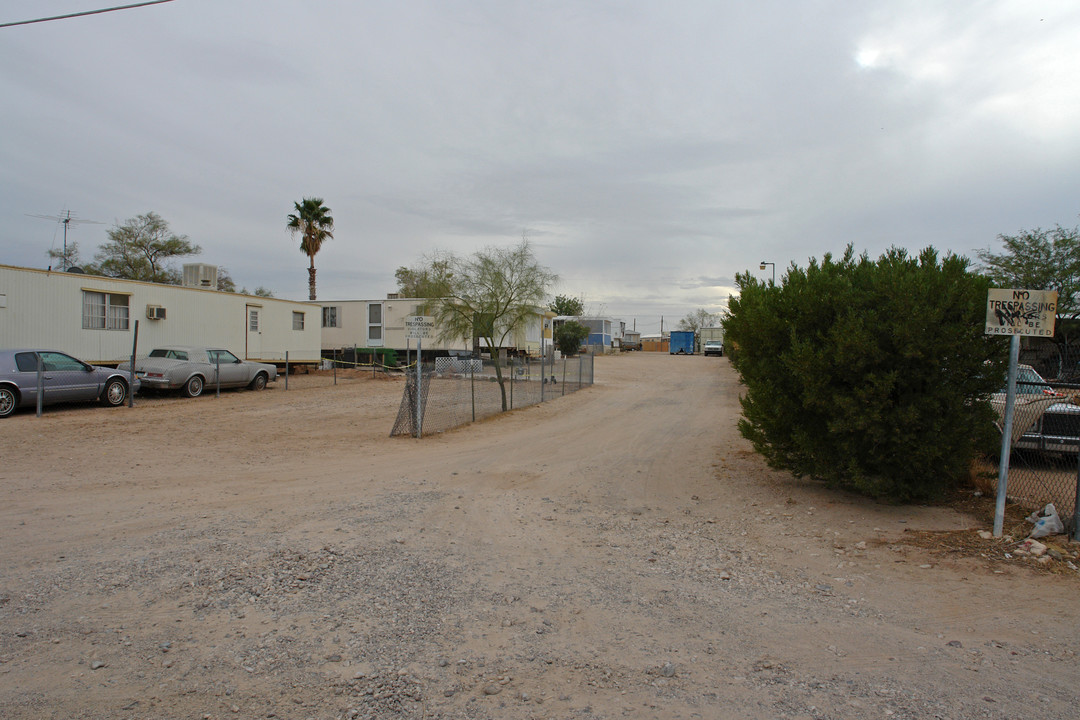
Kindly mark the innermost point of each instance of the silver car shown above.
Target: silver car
(1045, 418)
(192, 369)
(1058, 427)
(64, 379)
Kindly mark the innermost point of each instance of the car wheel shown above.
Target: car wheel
(8, 401)
(259, 383)
(115, 393)
(194, 386)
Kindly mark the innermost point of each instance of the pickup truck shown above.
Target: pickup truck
(713, 347)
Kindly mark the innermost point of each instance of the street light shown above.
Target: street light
(763, 264)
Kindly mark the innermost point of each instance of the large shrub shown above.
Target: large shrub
(569, 336)
(871, 376)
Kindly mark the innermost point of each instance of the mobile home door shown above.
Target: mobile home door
(253, 350)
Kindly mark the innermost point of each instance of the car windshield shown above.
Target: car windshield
(1029, 382)
(1028, 375)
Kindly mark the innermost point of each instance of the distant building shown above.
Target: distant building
(631, 340)
(603, 331)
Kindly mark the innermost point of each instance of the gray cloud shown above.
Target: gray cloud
(650, 151)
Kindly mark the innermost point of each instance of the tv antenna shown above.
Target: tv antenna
(67, 219)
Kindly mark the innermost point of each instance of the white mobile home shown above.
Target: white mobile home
(535, 336)
(368, 324)
(93, 318)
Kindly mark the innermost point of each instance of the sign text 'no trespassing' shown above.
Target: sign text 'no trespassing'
(1021, 312)
(421, 327)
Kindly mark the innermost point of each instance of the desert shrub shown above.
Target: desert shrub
(870, 376)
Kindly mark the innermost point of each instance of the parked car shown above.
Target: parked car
(191, 369)
(64, 379)
(1057, 428)
(713, 347)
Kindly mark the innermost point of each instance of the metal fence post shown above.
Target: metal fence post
(563, 392)
(1006, 437)
(543, 377)
(40, 383)
(513, 374)
(472, 378)
(217, 374)
(134, 351)
(335, 366)
(1076, 502)
(580, 367)
(419, 418)
(286, 369)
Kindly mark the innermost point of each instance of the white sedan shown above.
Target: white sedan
(193, 369)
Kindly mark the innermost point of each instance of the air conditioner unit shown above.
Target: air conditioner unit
(200, 275)
(155, 312)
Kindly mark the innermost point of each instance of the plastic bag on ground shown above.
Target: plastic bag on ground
(1046, 523)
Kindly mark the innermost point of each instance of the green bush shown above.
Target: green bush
(569, 336)
(870, 376)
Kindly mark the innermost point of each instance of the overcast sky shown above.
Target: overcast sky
(650, 150)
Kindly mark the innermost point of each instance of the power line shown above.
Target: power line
(87, 12)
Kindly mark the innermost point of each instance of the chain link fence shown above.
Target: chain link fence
(455, 391)
(1044, 465)
(1056, 358)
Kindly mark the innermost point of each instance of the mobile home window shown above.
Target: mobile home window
(330, 317)
(375, 331)
(298, 321)
(104, 311)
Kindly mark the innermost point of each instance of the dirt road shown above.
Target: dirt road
(619, 552)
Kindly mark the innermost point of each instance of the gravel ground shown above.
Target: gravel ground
(619, 552)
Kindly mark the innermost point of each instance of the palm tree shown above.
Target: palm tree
(312, 220)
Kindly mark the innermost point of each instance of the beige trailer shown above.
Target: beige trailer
(380, 324)
(93, 318)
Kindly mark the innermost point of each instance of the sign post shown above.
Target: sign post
(419, 327)
(1015, 313)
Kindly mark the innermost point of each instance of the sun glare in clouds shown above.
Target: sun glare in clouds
(1009, 63)
(868, 58)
